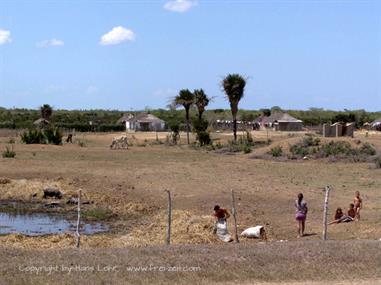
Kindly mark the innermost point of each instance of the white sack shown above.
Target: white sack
(253, 232)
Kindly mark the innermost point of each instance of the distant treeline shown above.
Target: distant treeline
(106, 120)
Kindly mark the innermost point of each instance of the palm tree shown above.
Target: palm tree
(201, 101)
(46, 111)
(234, 87)
(186, 99)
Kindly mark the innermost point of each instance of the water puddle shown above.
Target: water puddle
(43, 223)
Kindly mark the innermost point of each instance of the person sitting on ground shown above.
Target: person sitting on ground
(338, 215)
(351, 211)
(341, 218)
(358, 205)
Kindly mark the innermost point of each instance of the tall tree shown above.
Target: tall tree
(234, 87)
(46, 111)
(201, 101)
(185, 99)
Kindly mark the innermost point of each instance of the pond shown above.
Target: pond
(43, 223)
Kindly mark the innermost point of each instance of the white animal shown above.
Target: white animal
(119, 143)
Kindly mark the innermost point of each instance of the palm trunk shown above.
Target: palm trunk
(187, 123)
(235, 127)
(200, 112)
(234, 109)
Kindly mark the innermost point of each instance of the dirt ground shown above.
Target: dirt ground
(301, 262)
(127, 189)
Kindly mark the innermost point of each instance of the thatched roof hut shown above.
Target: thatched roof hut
(282, 122)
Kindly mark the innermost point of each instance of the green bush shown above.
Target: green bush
(309, 145)
(174, 126)
(200, 126)
(247, 148)
(33, 136)
(234, 146)
(310, 141)
(276, 151)
(9, 152)
(335, 148)
(367, 149)
(239, 147)
(246, 139)
(299, 150)
(204, 138)
(53, 135)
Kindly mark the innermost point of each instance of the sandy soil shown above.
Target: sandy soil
(127, 191)
(302, 262)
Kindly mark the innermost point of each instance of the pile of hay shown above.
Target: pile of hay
(26, 190)
(4, 180)
(186, 229)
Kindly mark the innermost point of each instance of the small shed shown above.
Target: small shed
(145, 122)
(338, 130)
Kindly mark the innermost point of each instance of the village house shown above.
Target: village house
(142, 122)
(280, 121)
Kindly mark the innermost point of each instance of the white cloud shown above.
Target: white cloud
(5, 37)
(117, 35)
(50, 43)
(179, 6)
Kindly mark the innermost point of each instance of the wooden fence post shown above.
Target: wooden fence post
(325, 216)
(168, 239)
(79, 218)
(234, 212)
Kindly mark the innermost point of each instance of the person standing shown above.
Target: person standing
(220, 227)
(301, 214)
(358, 205)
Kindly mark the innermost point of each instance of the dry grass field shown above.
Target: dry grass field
(127, 191)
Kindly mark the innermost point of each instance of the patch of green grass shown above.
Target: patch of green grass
(98, 214)
(9, 152)
(276, 151)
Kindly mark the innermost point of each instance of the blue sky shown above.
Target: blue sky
(133, 54)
